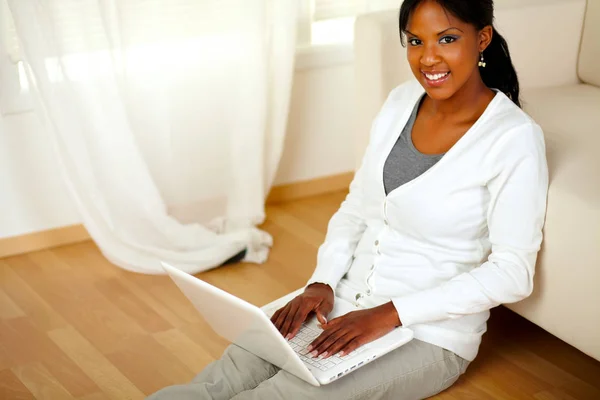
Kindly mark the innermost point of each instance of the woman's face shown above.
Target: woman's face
(443, 51)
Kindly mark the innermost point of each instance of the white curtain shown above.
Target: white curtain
(168, 118)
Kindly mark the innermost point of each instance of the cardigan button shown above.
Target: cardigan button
(377, 243)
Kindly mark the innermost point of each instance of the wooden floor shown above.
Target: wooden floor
(72, 326)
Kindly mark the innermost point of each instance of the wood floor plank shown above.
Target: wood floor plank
(168, 295)
(516, 377)
(298, 268)
(148, 365)
(8, 309)
(26, 345)
(201, 334)
(131, 305)
(108, 378)
(86, 260)
(292, 272)
(41, 383)
(44, 316)
(185, 349)
(312, 212)
(326, 204)
(94, 396)
(554, 394)
(281, 217)
(12, 388)
(79, 303)
(49, 261)
(464, 390)
(134, 285)
(542, 369)
(241, 279)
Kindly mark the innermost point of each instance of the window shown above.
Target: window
(328, 22)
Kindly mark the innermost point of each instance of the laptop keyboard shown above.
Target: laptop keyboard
(305, 337)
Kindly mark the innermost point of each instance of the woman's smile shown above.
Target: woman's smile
(436, 78)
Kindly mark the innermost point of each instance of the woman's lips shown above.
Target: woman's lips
(435, 79)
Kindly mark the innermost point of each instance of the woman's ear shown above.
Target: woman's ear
(485, 37)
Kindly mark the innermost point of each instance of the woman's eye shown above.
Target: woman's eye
(447, 40)
(414, 42)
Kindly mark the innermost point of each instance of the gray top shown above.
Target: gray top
(405, 162)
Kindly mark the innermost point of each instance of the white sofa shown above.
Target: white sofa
(556, 49)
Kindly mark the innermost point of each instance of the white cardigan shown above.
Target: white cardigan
(454, 242)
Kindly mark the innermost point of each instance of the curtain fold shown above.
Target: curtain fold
(168, 119)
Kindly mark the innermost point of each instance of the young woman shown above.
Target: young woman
(443, 222)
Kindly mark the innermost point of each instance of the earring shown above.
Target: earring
(482, 62)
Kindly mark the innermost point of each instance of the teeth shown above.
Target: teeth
(436, 76)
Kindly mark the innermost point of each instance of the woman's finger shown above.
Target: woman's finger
(298, 320)
(350, 346)
(337, 321)
(282, 317)
(276, 315)
(320, 317)
(321, 338)
(340, 344)
(324, 345)
(285, 329)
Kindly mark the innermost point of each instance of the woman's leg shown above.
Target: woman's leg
(236, 371)
(417, 370)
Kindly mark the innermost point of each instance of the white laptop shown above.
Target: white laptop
(250, 328)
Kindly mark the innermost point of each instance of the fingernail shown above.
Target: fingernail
(314, 354)
(310, 347)
(325, 355)
(342, 354)
(288, 336)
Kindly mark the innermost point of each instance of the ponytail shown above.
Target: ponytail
(499, 72)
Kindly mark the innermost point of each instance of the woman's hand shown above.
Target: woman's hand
(317, 298)
(347, 333)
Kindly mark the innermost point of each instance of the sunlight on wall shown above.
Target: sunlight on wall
(333, 31)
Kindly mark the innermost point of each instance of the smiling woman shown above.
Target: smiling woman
(442, 223)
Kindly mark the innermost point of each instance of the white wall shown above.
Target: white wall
(319, 143)
(32, 195)
(320, 136)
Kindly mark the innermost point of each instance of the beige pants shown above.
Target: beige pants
(417, 370)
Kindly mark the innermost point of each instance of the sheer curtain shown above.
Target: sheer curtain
(168, 118)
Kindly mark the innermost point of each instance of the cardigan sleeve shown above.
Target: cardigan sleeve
(517, 207)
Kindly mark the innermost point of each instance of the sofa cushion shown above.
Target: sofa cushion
(568, 271)
(589, 59)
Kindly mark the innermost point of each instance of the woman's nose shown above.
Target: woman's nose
(429, 57)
